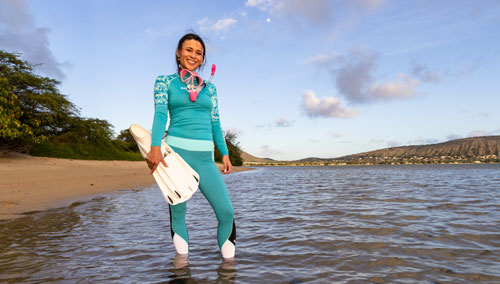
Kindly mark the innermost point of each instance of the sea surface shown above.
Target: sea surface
(339, 224)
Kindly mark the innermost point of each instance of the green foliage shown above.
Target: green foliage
(11, 128)
(233, 146)
(35, 106)
(83, 152)
(88, 139)
(36, 118)
(126, 141)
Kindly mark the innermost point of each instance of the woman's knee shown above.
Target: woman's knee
(225, 214)
(178, 212)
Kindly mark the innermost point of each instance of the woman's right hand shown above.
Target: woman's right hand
(154, 158)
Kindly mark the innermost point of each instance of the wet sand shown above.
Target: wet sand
(30, 184)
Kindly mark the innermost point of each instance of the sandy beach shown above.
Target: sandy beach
(30, 184)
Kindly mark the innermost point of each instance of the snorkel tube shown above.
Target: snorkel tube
(212, 74)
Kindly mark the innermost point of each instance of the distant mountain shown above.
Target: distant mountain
(249, 158)
(467, 148)
(313, 159)
(484, 149)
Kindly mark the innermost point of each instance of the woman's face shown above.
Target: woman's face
(191, 54)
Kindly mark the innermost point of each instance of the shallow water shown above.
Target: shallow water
(353, 224)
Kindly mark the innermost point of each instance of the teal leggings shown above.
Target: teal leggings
(214, 189)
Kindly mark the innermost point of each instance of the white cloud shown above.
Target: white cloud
(218, 26)
(283, 122)
(353, 76)
(18, 33)
(324, 107)
(323, 60)
(224, 24)
(402, 88)
(477, 133)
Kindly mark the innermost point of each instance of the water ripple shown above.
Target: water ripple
(380, 224)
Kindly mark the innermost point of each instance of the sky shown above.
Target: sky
(295, 79)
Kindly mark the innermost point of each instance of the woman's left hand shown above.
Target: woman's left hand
(227, 164)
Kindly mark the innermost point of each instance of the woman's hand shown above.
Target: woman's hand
(227, 164)
(154, 158)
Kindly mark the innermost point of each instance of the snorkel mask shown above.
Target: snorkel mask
(194, 82)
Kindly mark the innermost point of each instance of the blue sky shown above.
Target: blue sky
(295, 79)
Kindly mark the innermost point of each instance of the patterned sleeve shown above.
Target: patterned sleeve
(161, 110)
(216, 129)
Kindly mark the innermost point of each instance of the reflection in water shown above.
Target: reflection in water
(226, 271)
(380, 224)
(181, 272)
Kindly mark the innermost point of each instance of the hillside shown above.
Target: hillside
(484, 149)
(467, 148)
(249, 158)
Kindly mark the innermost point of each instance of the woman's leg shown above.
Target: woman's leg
(178, 227)
(214, 189)
(177, 212)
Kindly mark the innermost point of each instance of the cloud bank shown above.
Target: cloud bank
(18, 33)
(353, 77)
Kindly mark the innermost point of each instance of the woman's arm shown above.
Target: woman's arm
(155, 156)
(218, 137)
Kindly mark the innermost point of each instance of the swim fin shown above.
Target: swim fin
(178, 181)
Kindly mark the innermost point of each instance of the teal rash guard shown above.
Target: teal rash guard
(194, 126)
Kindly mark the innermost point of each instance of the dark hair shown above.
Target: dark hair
(189, 36)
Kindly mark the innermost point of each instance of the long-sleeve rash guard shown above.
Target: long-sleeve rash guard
(192, 124)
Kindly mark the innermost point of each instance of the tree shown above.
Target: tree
(127, 142)
(36, 108)
(233, 146)
(11, 128)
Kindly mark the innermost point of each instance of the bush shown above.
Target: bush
(233, 146)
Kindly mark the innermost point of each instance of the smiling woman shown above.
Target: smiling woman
(190, 54)
(192, 106)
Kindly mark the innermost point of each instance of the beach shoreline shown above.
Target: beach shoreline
(30, 184)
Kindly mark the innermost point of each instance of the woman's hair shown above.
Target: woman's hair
(189, 36)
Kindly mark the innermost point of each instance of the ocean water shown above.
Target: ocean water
(352, 224)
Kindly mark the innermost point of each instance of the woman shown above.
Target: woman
(194, 127)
